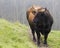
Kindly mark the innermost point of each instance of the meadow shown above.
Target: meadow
(15, 35)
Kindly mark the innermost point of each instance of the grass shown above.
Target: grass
(15, 35)
(54, 39)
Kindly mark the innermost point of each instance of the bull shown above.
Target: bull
(40, 21)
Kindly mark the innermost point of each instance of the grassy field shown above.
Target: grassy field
(54, 39)
(15, 35)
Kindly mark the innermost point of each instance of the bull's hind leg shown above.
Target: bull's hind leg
(33, 33)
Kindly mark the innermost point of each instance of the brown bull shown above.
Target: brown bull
(40, 21)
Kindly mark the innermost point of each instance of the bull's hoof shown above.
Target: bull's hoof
(38, 43)
(34, 40)
(45, 44)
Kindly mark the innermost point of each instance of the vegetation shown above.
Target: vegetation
(54, 39)
(15, 35)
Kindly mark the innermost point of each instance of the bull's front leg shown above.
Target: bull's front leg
(38, 37)
(45, 38)
(33, 33)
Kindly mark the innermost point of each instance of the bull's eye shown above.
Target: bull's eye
(34, 12)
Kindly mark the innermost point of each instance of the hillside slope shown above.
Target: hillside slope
(14, 35)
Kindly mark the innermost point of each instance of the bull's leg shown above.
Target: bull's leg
(33, 33)
(38, 38)
(45, 38)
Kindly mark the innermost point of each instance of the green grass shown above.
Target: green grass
(15, 35)
(54, 39)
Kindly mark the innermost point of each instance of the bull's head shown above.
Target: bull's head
(34, 9)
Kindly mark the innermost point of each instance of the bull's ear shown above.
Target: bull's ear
(34, 12)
